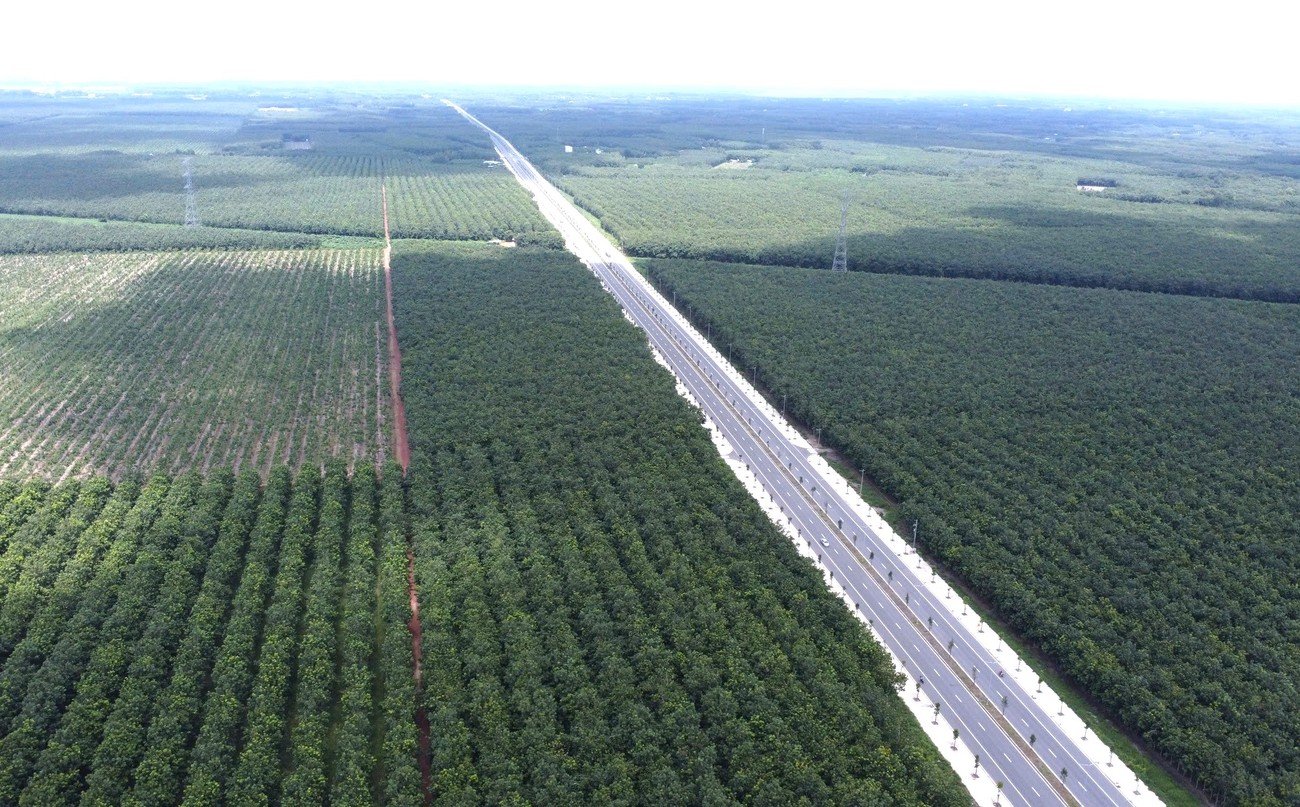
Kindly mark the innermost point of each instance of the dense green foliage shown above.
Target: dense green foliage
(179, 642)
(130, 167)
(462, 202)
(138, 361)
(74, 123)
(60, 234)
(1201, 204)
(607, 617)
(1114, 471)
(397, 741)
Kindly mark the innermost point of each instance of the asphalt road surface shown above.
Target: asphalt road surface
(994, 715)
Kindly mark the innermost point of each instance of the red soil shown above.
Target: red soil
(403, 450)
(400, 444)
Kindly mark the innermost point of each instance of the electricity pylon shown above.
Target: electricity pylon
(191, 207)
(841, 261)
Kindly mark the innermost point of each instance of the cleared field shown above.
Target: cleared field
(179, 360)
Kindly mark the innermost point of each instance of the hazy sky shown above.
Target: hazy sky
(1185, 50)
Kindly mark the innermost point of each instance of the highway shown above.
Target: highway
(994, 713)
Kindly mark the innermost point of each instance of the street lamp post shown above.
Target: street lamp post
(862, 477)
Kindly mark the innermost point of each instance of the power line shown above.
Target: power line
(191, 206)
(841, 260)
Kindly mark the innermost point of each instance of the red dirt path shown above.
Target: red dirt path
(403, 450)
(400, 444)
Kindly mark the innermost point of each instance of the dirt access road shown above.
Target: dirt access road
(402, 448)
(400, 444)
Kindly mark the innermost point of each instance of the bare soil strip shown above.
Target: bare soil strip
(402, 450)
(400, 446)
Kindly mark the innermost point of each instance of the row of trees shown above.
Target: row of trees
(958, 214)
(206, 641)
(335, 195)
(171, 361)
(606, 615)
(464, 202)
(1113, 471)
(112, 644)
(263, 201)
(56, 234)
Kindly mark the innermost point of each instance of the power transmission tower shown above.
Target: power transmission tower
(191, 207)
(841, 261)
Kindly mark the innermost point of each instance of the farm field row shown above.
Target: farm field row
(607, 616)
(968, 215)
(205, 641)
(319, 194)
(1111, 470)
(178, 360)
(1180, 203)
(37, 234)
